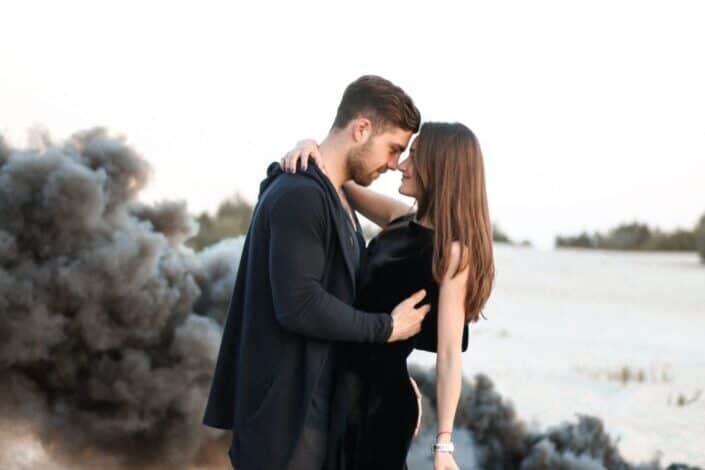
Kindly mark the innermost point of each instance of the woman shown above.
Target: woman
(444, 247)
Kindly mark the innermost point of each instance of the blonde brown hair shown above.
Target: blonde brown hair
(451, 178)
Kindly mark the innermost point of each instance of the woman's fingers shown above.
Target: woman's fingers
(286, 162)
(295, 155)
(305, 151)
(291, 161)
(316, 155)
(295, 158)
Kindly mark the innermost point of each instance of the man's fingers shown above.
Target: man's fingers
(304, 161)
(424, 309)
(417, 296)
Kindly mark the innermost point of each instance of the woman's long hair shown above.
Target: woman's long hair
(450, 175)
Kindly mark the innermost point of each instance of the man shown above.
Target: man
(291, 304)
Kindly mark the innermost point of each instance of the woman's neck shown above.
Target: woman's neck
(425, 221)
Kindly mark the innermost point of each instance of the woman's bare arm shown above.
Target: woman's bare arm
(451, 320)
(377, 207)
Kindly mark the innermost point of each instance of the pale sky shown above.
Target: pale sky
(589, 114)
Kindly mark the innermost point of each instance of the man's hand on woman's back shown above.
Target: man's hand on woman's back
(407, 318)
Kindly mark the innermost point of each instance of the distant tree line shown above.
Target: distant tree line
(700, 238)
(638, 236)
(232, 218)
(500, 237)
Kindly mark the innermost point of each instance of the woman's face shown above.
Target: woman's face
(409, 184)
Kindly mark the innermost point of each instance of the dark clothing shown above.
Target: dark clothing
(374, 410)
(292, 299)
(357, 240)
(320, 406)
(310, 452)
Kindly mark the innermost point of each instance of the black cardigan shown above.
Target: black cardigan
(292, 298)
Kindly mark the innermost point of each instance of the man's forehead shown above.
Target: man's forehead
(399, 137)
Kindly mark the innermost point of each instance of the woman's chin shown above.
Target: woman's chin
(404, 191)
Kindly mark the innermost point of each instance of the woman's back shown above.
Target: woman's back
(398, 263)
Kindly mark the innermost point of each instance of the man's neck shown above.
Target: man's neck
(333, 153)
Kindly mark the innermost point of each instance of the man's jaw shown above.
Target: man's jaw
(376, 174)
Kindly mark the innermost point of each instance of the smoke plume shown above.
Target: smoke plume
(102, 354)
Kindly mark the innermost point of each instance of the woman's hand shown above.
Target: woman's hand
(418, 403)
(305, 149)
(444, 461)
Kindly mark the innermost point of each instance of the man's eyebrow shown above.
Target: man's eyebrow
(399, 147)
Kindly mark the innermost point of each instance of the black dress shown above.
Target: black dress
(373, 409)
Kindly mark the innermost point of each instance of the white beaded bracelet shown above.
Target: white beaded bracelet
(442, 447)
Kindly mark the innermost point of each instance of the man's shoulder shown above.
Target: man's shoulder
(294, 190)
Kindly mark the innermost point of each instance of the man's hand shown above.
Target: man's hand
(407, 319)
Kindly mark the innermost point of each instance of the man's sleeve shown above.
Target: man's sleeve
(297, 260)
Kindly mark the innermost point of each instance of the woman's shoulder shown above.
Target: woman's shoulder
(403, 240)
(408, 217)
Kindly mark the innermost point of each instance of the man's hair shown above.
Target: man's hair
(379, 100)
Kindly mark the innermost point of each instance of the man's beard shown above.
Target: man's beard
(356, 165)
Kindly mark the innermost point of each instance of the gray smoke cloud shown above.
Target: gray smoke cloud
(102, 353)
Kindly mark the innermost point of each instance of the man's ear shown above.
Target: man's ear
(361, 130)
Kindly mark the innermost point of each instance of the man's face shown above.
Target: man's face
(377, 154)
